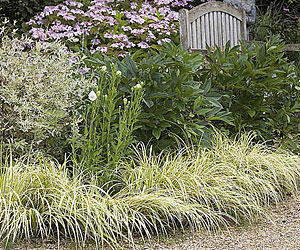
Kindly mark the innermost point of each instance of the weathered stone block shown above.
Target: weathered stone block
(248, 6)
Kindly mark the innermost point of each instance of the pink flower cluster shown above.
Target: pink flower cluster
(108, 26)
(173, 3)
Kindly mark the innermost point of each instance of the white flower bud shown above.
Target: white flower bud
(103, 68)
(125, 101)
(138, 86)
(92, 96)
(75, 40)
(118, 73)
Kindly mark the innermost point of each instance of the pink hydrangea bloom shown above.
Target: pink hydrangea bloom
(143, 45)
(106, 23)
(102, 49)
(38, 33)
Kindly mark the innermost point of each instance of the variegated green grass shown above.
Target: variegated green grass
(40, 199)
(236, 179)
(205, 188)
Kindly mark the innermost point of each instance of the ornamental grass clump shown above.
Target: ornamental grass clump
(235, 179)
(232, 183)
(40, 199)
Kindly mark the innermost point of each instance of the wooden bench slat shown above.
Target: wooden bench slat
(207, 36)
(227, 28)
(194, 33)
(239, 37)
(219, 17)
(203, 37)
(211, 28)
(215, 30)
(198, 28)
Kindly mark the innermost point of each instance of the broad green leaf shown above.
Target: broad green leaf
(198, 102)
(165, 124)
(189, 91)
(207, 86)
(202, 111)
(156, 133)
(251, 112)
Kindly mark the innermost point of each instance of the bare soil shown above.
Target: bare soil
(281, 232)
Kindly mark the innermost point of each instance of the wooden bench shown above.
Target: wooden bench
(214, 24)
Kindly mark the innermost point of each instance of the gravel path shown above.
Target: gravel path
(282, 233)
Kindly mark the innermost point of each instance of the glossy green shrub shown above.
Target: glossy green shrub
(263, 88)
(177, 106)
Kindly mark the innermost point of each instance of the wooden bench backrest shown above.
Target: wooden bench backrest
(212, 23)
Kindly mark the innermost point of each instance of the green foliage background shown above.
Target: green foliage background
(23, 10)
(262, 86)
(177, 105)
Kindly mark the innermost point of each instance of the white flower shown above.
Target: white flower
(125, 101)
(103, 68)
(92, 96)
(118, 73)
(74, 39)
(138, 86)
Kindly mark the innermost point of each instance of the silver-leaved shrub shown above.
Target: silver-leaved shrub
(39, 89)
